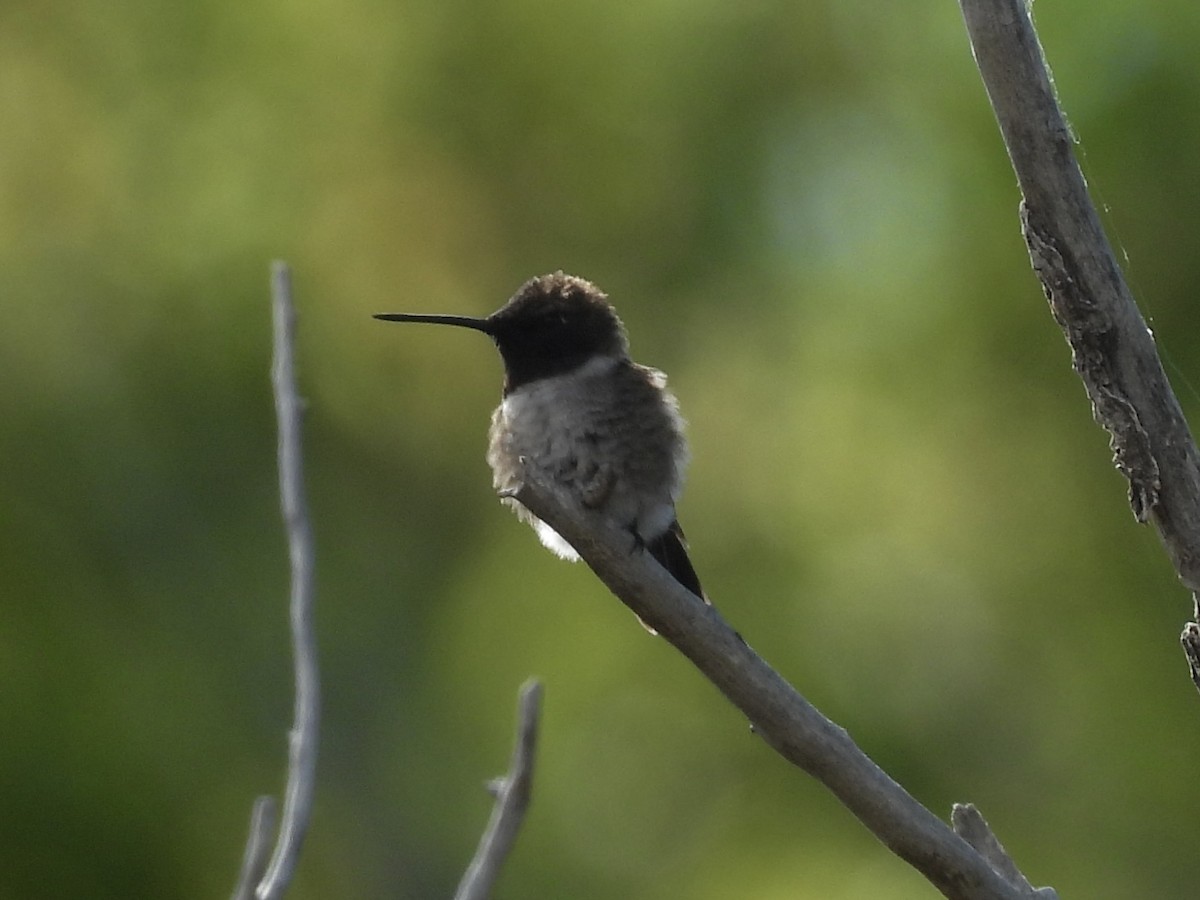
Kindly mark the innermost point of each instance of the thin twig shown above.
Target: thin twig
(512, 800)
(258, 847)
(302, 744)
(791, 725)
(1112, 349)
(970, 825)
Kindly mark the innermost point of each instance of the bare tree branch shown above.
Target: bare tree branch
(1112, 349)
(777, 712)
(512, 794)
(302, 741)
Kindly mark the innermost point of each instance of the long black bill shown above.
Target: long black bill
(462, 321)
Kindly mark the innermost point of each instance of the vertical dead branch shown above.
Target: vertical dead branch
(302, 741)
(512, 792)
(1112, 349)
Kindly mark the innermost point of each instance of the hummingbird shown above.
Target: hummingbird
(601, 430)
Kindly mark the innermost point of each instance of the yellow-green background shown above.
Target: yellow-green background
(804, 214)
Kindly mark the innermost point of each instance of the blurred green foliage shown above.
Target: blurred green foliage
(803, 213)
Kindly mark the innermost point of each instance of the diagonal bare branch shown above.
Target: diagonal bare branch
(791, 725)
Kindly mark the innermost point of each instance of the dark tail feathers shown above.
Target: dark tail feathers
(670, 550)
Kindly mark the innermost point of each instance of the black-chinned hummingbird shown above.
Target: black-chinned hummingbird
(601, 430)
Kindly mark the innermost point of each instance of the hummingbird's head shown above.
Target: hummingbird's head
(553, 325)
